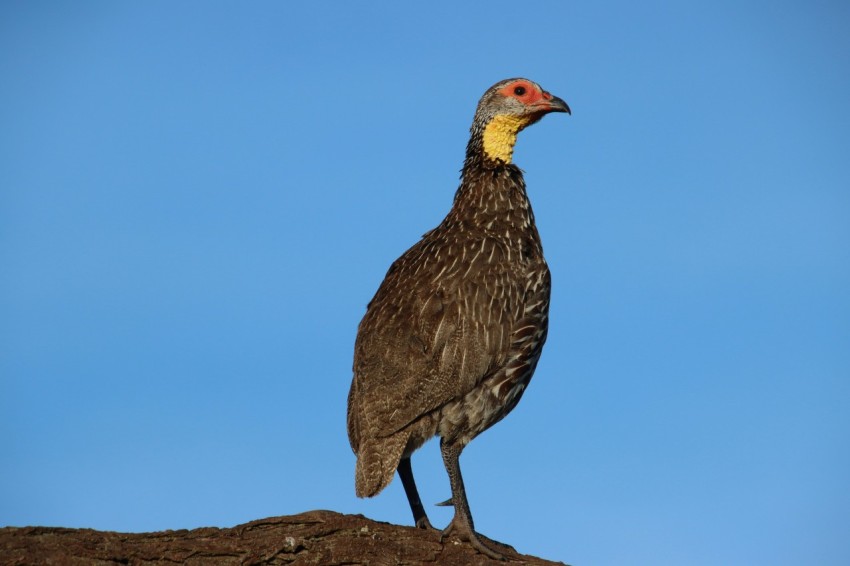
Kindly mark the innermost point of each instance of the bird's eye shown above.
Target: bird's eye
(519, 91)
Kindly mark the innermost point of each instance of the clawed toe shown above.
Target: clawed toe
(447, 531)
(468, 535)
(479, 545)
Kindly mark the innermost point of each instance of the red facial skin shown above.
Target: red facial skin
(532, 96)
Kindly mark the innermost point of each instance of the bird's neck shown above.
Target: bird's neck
(492, 193)
(491, 197)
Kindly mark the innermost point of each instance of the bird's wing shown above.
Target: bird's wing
(435, 330)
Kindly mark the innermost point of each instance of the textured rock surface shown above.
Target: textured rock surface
(316, 537)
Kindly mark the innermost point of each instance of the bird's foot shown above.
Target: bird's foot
(465, 533)
(424, 523)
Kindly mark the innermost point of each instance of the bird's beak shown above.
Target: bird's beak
(556, 104)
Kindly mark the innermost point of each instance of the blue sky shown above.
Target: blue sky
(198, 199)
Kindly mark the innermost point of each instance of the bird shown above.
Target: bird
(450, 340)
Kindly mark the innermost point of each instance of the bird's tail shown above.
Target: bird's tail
(377, 461)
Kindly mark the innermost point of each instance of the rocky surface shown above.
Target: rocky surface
(316, 537)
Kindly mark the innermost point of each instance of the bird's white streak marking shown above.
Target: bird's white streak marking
(440, 274)
(471, 262)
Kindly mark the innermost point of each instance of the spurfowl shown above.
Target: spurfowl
(451, 339)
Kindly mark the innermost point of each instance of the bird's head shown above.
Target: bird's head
(505, 109)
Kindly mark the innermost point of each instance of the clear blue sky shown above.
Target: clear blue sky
(198, 199)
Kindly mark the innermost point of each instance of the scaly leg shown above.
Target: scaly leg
(462, 522)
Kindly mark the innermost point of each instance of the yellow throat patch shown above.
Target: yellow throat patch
(500, 136)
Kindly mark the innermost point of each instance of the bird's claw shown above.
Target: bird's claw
(466, 534)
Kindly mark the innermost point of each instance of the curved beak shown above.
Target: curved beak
(558, 105)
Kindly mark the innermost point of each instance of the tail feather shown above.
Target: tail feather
(377, 461)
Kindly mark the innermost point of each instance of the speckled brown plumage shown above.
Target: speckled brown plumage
(453, 335)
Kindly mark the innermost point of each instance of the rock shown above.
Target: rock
(322, 538)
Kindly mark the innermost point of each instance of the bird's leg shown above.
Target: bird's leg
(462, 522)
(405, 472)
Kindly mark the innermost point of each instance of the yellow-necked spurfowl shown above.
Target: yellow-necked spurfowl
(452, 337)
